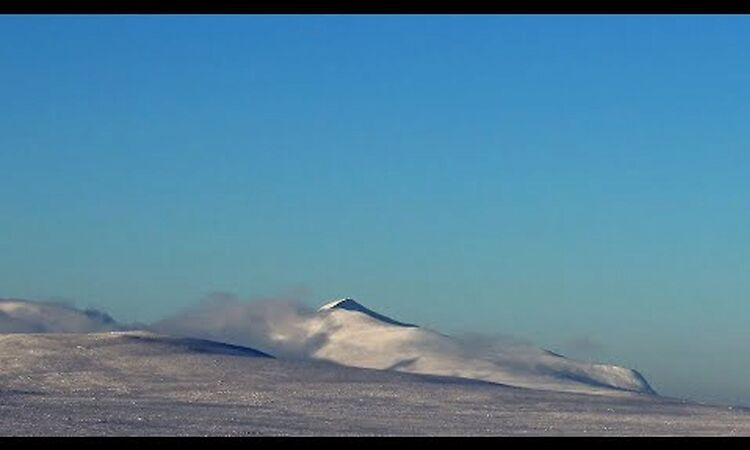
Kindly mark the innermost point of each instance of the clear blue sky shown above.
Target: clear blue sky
(582, 182)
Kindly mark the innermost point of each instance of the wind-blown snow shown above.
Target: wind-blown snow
(273, 326)
(348, 333)
(24, 316)
(357, 338)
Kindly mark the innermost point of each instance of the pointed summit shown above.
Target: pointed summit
(343, 303)
(349, 304)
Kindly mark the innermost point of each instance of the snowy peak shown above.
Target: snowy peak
(357, 336)
(349, 304)
(343, 303)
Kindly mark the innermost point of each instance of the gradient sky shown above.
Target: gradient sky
(581, 182)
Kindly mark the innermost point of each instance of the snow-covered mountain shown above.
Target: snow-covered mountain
(351, 334)
(347, 333)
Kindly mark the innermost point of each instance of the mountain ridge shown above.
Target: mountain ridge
(357, 336)
(348, 333)
(349, 304)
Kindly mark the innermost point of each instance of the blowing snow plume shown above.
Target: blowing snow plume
(348, 333)
(26, 316)
(275, 326)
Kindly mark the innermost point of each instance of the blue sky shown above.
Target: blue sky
(577, 181)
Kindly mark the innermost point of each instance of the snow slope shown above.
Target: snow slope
(138, 383)
(353, 335)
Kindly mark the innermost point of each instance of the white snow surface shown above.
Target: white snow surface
(141, 383)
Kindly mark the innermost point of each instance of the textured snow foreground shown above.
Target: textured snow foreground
(140, 383)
